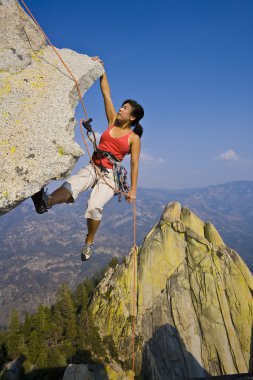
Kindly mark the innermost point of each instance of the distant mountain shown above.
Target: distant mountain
(38, 252)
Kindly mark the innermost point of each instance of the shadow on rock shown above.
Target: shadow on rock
(54, 373)
(14, 369)
(165, 357)
(85, 372)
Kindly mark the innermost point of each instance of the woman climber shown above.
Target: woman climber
(116, 141)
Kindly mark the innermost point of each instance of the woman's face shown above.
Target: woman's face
(124, 113)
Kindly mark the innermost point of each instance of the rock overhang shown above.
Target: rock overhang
(38, 98)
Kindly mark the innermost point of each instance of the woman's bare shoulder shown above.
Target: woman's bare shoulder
(134, 137)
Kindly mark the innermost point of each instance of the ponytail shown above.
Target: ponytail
(138, 130)
(138, 113)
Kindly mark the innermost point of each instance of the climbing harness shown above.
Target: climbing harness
(119, 171)
(88, 121)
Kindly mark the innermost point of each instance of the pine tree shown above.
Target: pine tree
(67, 308)
(42, 323)
(56, 326)
(33, 347)
(51, 336)
(3, 348)
(22, 347)
(56, 358)
(89, 333)
(89, 286)
(14, 336)
(81, 297)
(28, 325)
(83, 326)
(42, 358)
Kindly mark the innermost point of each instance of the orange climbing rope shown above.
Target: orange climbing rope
(98, 172)
(134, 291)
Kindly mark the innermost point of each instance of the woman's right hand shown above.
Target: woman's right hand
(98, 59)
(105, 88)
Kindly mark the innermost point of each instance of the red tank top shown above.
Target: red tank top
(118, 146)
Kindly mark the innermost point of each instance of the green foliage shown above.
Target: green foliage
(81, 297)
(14, 335)
(56, 326)
(42, 322)
(53, 337)
(67, 309)
(42, 358)
(3, 350)
(56, 358)
(33, 346)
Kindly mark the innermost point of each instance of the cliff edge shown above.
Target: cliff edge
(37, 102)
(194, 302)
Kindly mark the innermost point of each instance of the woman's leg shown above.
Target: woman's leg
(60, 195)
(68, 192)
(100, 195)
(92, 226)
(75, 185)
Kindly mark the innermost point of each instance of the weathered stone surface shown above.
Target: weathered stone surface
(192, 221)
(13, 370)
(19, 35)
(194, 303)
(110, 371)
(115, 372)
(37, 102)
(171, 212)
(82, 371)
(212, 235)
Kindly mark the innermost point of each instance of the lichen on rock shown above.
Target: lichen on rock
(194, 302)
(37, 101)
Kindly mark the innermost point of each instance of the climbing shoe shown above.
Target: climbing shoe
(40, 200)
(87, 251)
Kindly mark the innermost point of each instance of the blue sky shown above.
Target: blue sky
(188, 62)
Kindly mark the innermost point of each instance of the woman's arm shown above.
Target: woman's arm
(135, 154)
(106, 92)
(109, 107)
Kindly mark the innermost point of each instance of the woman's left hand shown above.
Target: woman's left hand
(131, 196)
(98, 59)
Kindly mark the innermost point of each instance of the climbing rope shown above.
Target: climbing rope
(102, 177)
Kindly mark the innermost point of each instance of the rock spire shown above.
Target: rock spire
(194, 302)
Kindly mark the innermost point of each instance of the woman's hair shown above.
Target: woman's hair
(138, 113)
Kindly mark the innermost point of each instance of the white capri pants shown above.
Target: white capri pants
(87, 178)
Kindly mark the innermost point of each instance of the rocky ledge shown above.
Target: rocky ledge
(38, 98)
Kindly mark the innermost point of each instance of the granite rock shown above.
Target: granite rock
(193, 300)
(38, 98)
